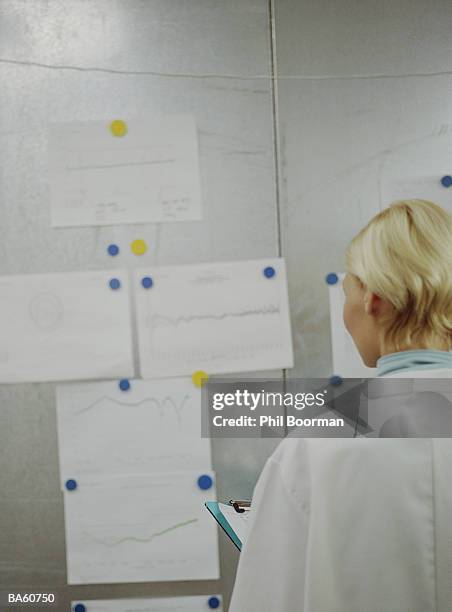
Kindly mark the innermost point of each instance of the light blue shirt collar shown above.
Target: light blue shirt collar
(421, 359)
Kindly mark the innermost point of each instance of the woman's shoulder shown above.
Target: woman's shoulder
(293, 450)
(321, 456)
(313, 469)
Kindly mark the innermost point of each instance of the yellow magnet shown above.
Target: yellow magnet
(199, 378)
(118, 127)
(138, 247)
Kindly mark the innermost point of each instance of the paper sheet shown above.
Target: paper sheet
(168, 604)
(217, 317)
(347, 362)
(64, 327)
(155, 426)
(240, 522)
(150, 174)
(140, 529)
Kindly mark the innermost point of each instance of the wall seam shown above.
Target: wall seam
(276, 146)
(275, 117)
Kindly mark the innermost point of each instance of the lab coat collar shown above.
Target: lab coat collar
(423, 359)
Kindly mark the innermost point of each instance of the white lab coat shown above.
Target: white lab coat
(341, 525)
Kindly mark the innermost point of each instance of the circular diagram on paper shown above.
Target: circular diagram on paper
(46, 311)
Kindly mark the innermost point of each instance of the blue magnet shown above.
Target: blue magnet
(79, 608)
(336, 381)
(114, 283)
(205, 482)
(446, 181)
(213, 603)
(269, 272)
(331, 278)
(124, 384)
(113, 250)
(147, 282)
(71, 484)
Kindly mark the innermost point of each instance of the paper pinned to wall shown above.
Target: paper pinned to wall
(198, 603)
(140, 529)
(153, 427)
(149, 173)
(217, 317)
(347, 362)
(65, 327)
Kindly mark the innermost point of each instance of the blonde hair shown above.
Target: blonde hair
(404, 255)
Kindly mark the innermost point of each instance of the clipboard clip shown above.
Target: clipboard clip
(240, 506)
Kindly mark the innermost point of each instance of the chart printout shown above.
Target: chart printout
(141, 529)
(70, 326)
(216, 317)
(145, 172)
(153, 426)
(199, 603)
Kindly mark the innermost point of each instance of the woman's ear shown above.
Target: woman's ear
(372, 304)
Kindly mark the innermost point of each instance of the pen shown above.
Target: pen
(240, 505)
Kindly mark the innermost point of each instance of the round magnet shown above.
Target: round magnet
(71, 484)
(205, 482)
(336, 381)
(446, 181)
(124, 384)
(269, 272)
(213, 603)
(331, 278)
(199, 378)
(115, 283)
(79, 608)
(118, 127)
(147, 282)
(113, 250)
(138, 247)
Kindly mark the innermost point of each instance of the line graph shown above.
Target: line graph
(152, 428)
(90, 169)
(222, 317)
(144, 540)
(119, 165)
(158, 320)
(160, 403)
(134, 528)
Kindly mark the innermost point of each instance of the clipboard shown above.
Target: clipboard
(232, 518)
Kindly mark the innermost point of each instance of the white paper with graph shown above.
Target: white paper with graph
(69, 326)
(199, 603)
(155, 426)
(347, 362)
(217, 317)
(148, 174)
(140, 529)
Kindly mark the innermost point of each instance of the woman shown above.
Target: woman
(342, 525)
